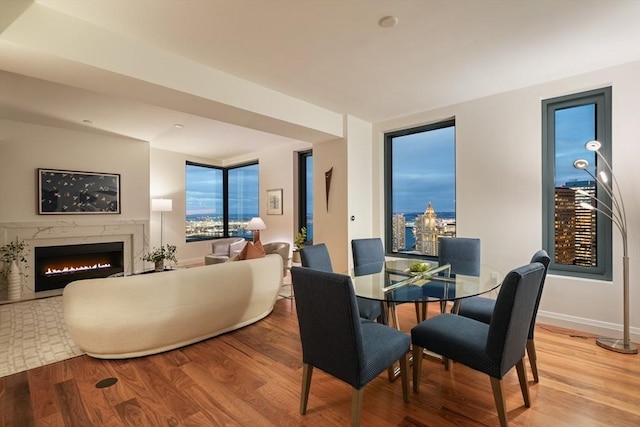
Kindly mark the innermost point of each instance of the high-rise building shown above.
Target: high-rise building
(585, 223)
(565, 214)
(427, 231)
(399, 241)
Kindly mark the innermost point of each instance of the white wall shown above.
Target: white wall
(25, 147)
(330, 225)
(499, 189)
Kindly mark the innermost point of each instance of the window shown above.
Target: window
(220, 201)
(420, 201)
(305, 198)
(577, 239)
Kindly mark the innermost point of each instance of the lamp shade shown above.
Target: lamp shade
(161, 205)
(256, 223)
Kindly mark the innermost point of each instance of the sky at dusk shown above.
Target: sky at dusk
(424, 171)
(204, 191)
(574, 128)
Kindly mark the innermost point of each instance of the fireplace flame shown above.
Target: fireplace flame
(64, 270)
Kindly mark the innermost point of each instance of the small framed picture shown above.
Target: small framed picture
(73, 192)
(274, 202)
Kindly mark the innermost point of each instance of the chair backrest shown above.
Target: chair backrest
(368, 255)
(512, 315)
(316, 257)
(331, 338)
(543, 258)
(463, 253)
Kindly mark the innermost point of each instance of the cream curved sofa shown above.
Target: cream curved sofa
(121, 317)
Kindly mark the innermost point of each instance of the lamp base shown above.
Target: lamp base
(617, 345)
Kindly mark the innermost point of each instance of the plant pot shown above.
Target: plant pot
(14, 282)
(159, 265)
(295, 257)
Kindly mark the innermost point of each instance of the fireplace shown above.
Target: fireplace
(56, 266)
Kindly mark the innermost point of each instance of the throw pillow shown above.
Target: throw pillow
(252, 251)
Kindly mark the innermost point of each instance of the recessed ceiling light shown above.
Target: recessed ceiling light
(178, 125)
(388, 21)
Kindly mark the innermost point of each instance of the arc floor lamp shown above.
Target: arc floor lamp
(616, 213)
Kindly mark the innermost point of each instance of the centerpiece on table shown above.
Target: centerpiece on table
(160, 255)
(298, 243)
(14, 263)
(419, 267)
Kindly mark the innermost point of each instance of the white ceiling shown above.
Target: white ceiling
(330, 53)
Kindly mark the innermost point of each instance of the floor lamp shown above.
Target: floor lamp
(162, 206)
(616, 213)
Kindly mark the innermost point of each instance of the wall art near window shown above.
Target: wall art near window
(73, 192)
(274, 202)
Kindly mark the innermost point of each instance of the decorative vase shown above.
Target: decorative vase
(160, 265)
(14, 282)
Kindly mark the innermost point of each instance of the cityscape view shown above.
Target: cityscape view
(417, 233)
(575, 225)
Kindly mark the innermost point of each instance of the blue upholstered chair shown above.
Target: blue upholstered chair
(492, 348)
(339, 343)
(481, 309)
(368, 258)
(317, 257)
(463, 253)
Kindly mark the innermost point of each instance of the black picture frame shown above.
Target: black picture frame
(65, 192)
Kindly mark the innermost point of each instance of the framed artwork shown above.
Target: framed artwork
(274, 202)
(73, 192)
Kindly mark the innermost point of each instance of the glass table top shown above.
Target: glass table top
(394, 282)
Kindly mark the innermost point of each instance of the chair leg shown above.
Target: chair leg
(531, 352)
(446, 362)
(417, 367)
(524, 385)
(424, 311)
(404, 375)
(307, 371)
(443, 306)
(498, 396)
(419, 314)
(356, 406)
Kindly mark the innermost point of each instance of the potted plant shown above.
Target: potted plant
(298, 243)
(158, 256)
(14, 263)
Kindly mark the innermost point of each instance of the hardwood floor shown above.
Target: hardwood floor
(251, 377)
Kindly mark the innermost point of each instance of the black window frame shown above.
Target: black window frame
(225, 196)
(602, 98)
(388, 185)
(302, 191)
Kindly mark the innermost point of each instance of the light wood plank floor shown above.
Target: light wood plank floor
(251, 377)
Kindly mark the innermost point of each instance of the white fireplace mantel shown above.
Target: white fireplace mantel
(133, 233)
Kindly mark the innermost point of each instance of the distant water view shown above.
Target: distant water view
(210, 226)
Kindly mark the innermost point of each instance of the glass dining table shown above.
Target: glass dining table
(394, 283)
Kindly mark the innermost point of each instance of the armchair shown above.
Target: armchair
(223, 249)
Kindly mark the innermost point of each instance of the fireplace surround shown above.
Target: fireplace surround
(133, 234)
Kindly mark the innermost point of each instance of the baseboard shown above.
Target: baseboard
(605, 329)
